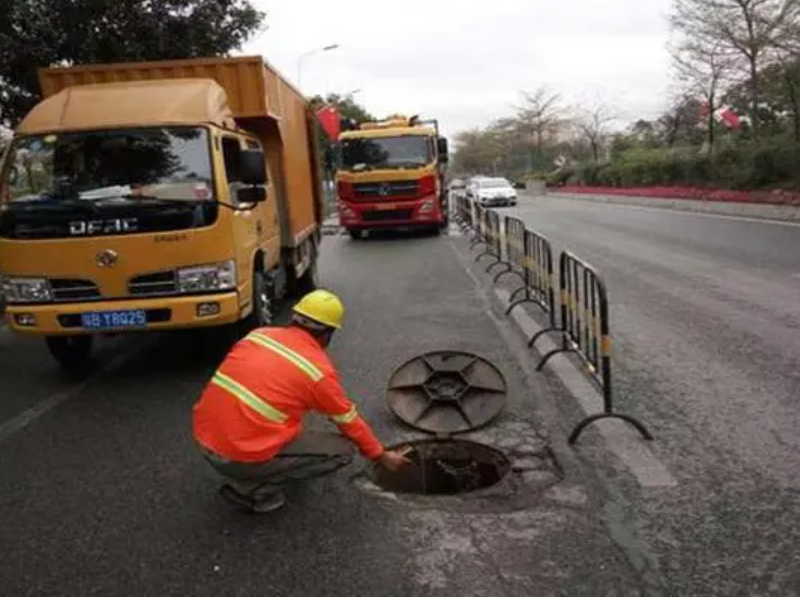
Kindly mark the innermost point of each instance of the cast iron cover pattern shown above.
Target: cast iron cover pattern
(446, 392)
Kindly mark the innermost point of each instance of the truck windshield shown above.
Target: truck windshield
(386, 152)
(154, 163)
(92, 182)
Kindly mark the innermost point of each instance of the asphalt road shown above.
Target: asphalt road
(103, 493)
(705, 315)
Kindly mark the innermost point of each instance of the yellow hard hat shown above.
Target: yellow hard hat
(321, 306)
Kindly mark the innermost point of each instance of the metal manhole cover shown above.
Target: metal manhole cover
(446, 392)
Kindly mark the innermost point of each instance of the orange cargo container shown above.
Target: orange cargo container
(158, 195)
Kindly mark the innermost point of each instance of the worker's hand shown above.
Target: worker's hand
(393, 461)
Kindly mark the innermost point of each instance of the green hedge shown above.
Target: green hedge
(747, 165)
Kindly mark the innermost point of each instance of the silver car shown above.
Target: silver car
(495, 191)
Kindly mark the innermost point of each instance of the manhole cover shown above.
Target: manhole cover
(446, 392)
(445, 467)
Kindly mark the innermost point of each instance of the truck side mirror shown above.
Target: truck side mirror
(251, 195)
(441, 146)
(252, 169)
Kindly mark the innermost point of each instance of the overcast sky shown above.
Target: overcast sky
(464, 63)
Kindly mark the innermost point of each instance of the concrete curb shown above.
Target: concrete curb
(733, 209)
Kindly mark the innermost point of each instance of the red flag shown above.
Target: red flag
(329, 119)
(726, 115)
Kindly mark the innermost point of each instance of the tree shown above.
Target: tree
(592, 123)
(701, 69)
(348, 108)
(749, 28)
(540, 116)
(40, 33)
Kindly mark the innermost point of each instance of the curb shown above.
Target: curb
(774, 212)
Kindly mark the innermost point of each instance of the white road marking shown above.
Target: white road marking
(25, 418)
(622, 205)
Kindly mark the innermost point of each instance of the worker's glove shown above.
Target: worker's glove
(393, 461)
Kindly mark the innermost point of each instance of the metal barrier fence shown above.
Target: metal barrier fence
(494, 240)
(538, 278)
(585, 331)
(463, 213)
(480, 227)
(513, 242)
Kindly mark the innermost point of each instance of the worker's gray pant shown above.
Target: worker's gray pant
(312, 454)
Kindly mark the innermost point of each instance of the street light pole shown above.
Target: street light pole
(309, 53)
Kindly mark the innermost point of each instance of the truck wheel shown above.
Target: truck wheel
(308, 280)
(355, 234)
(71, 351)
(261, 315)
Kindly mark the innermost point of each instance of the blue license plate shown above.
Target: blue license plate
(114, 319)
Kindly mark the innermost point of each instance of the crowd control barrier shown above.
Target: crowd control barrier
(480, 227)
(585, 331)
(513, 242)
(538, 280)
(464, 213)
(494, 240)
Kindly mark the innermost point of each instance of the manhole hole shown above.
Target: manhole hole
(446, 392)
(445, 467)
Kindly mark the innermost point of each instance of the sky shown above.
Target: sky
(465, 63)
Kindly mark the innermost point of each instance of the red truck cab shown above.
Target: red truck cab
(391, 176)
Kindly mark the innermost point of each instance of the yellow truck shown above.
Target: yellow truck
(159, 195)
(391, 176)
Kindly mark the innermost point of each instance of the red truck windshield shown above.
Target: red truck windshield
(406, 151)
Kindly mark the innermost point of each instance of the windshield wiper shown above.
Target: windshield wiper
(171, 201)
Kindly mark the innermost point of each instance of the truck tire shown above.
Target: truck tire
(73, 352)
(307, 282)
(355, 234)
(261, 315)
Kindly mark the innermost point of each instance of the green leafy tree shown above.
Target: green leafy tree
(40, 33)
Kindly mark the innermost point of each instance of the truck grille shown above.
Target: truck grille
(153, 284)
(66, 290)
(386, 189)
(387, 215)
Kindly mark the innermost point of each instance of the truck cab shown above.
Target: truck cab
(391, 176)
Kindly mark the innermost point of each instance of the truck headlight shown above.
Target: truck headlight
(207, 278)
(26, 289)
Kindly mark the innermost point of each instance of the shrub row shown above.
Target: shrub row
(773, 163)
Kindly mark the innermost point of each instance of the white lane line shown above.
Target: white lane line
(25, 418)
(621, 438)
(691, 213)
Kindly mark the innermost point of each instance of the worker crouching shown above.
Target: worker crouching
(248, 421)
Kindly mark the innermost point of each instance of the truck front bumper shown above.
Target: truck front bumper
(182, 312)
(423, 212)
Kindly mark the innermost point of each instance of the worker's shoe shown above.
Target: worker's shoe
(235, 497)
(265, 502)
(261, 502)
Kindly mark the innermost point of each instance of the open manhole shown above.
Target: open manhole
(446, 392)
(445, 467)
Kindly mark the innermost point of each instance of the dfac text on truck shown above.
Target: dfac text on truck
(158, 195)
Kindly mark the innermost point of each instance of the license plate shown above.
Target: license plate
(386, 206)
(114, 319)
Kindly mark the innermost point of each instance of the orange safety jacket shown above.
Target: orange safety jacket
(254, 404)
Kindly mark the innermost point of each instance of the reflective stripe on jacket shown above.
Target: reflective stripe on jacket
(255, 402)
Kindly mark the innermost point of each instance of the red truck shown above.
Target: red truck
(391, 176)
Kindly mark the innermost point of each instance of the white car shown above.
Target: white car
(495, 191)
